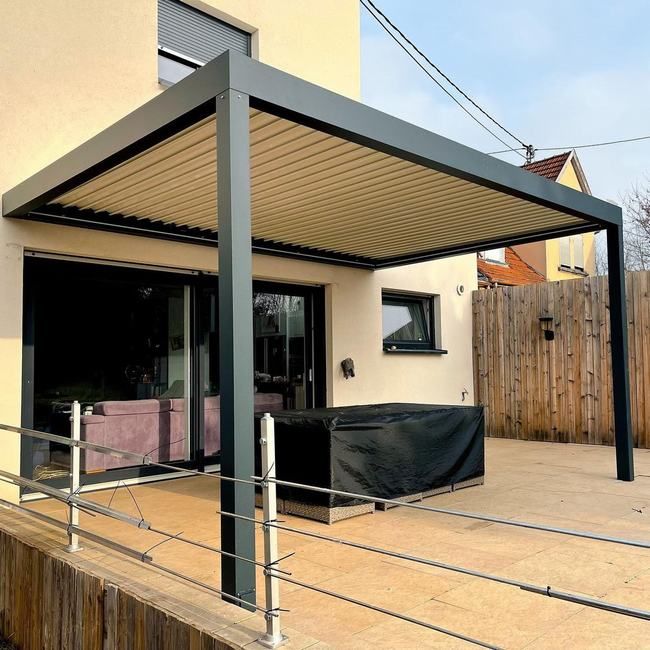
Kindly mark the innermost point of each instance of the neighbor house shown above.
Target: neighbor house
(564, 258)
(117, 318)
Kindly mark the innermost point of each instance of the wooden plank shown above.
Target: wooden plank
(553, 371)
(110, 618)
(636, 281)
(580, 386)
(644, 423)
(596, 371)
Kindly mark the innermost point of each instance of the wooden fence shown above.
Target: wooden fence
(49, 603)
(558, 390)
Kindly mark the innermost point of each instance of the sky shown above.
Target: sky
(555, 73)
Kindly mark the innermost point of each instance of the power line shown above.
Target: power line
(578, 146)
(375, 12)
(437, 82)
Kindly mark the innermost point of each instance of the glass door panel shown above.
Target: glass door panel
(208, 351)
(115, 341)
(280, 351)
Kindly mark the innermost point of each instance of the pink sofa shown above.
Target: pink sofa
(152, 426)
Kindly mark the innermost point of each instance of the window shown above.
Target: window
(578, 252)
(407, 322)
(189, 38)
(495, 255)
(572, 253)
(565, 252)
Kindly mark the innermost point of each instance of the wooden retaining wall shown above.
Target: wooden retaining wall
(49, 603)
(559, 390)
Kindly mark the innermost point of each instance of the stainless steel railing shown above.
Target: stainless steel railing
(77, 503)
(271, 526)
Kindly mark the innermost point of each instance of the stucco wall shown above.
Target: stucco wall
(312, 39)
(88, 63)
(544, 256)
(569, 178)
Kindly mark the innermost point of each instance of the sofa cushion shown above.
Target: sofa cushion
(132, 407)
(210, 404)
(92, 419)
(272, 401)
(213, 402)
(177, 404)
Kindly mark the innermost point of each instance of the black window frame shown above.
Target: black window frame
(428, 306)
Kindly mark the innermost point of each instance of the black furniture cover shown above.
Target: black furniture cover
(381, 450)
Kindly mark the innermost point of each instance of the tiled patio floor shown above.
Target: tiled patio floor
(565, 485)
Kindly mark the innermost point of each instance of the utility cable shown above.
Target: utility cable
(375, 12)
(578, 146)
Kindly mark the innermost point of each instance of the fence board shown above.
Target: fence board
(559, 390)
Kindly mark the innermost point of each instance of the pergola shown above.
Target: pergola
(251, 159)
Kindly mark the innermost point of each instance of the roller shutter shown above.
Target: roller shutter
(195, 35)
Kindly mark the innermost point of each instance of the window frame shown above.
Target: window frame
(428, 304)
(492, 259)
(568, 245)
(165, 53)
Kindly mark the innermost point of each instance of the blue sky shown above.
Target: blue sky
(555, 73)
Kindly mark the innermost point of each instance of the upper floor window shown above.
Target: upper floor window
(408, 322)
(579, 252)
(189, 38)
(572, 253)
(495, 255)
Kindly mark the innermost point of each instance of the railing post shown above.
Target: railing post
(75, 462)
(273, 637)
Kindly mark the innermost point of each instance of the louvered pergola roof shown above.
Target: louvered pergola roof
(330, 179)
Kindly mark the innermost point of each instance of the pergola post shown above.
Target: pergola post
(620, 362)
(235, 337)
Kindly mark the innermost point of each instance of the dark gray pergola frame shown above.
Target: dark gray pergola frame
(228, 87)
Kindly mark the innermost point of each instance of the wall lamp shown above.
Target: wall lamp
(547, 327)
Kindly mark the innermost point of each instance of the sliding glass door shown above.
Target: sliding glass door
(140, 351)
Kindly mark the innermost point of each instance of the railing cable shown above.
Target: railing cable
(388, 612)
(524, 586)
(468, 515)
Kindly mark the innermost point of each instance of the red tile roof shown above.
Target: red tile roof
(548, 167)
(513, 273)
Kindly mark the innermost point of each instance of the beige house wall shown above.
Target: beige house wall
(315, 40)
(569, 178)
(88, 63)
(544, 256)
